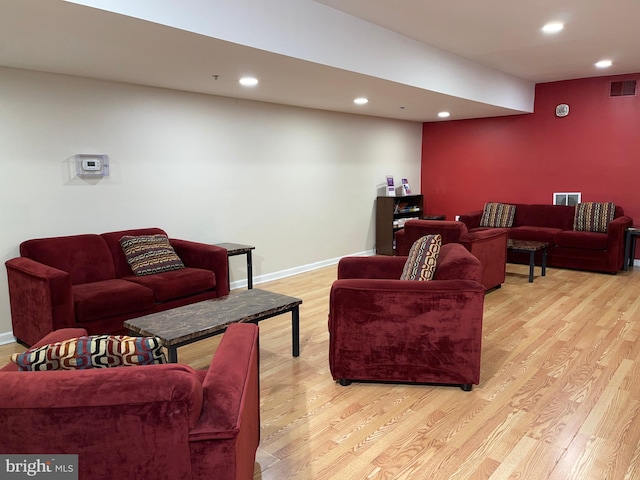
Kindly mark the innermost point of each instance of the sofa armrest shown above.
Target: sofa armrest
(616, 236)
(206, 256)
(230, 385)
(488, 234)
(377, 266)
(471, 219)
(227, 435)
(41, 299)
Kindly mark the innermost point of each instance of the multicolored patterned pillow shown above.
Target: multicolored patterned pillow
(497, 215)
(593, 216)
(96, 351)
(149, 254)
(422, 259)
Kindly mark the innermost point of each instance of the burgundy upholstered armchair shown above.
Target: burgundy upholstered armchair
(158, 421)
(382, 328)
(488, 246)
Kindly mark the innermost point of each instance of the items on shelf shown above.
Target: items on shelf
(406, 189)
(391, 213)
(391, 188)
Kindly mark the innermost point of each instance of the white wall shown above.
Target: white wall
(298, 184)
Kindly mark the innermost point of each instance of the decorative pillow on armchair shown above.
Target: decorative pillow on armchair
(497, 215)
(96, 351)
(422, 259)
(149, 254)
(593, 216)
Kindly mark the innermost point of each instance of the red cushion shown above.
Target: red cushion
(108, 298)
(177, 283)
(584, 240)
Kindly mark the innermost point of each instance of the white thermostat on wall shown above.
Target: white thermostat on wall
(562, 110)
(90, 165)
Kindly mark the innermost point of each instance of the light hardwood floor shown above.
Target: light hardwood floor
(559, 396)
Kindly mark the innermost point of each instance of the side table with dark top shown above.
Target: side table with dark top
(631, 236)
(240, 249)
(530, 247)
(190, 323)
(434, 217)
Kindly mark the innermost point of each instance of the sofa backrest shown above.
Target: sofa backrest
(112, 240)
(456, 263)
(138, 418)
(552, 216)
(541, 215)
(85, 257)
(450, 231)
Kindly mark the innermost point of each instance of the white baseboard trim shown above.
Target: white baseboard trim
(296, 270)
(8, 337)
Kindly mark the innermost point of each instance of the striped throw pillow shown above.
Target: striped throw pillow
(497, 215)
(149, 254)
(422, 259)
(593, 216)
(96, 351)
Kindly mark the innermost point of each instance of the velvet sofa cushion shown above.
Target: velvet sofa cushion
(95, 351)
(150, 254)
(584, 240)
(85, 257)
(112, 240)
(108, 298)
(593, 216)
(422, 258)
(176, 283)
(51, 337)
(498, 215)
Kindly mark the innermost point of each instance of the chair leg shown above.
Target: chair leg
(466, 387)
(344, 382)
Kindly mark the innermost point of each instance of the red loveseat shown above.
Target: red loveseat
(158, 421)
(568, 248)
(385, 329)
(488, 246)
(85, 281)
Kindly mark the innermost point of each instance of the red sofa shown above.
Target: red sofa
(591, 251)
(85, 281)
(488, 246)
(157, 421)
(385, 329)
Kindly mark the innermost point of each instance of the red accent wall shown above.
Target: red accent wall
(525, 158)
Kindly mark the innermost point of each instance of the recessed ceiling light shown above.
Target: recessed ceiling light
(553, 27)
(248, 81)
(361, 101)
(604, 63)
(443, 114)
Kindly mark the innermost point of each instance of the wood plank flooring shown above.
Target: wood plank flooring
(559, 396)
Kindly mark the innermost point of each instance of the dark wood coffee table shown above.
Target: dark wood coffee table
(191, 323)
(531, 247)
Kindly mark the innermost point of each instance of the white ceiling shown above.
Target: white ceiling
(498, 49)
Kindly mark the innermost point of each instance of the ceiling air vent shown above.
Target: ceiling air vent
(623, 89)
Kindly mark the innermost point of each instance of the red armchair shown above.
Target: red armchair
(385, 329)
(488, 246)
(158, 421)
